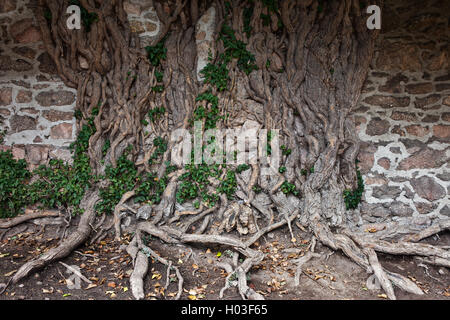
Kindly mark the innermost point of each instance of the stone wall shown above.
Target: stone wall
(403, 118)
(36, 108)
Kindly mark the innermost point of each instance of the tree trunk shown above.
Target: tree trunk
(297, 66)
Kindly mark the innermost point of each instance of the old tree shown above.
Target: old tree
(294, 65)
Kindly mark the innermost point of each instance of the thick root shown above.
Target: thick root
(28, 216)
(67, 246)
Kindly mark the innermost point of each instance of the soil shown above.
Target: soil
(108, 267)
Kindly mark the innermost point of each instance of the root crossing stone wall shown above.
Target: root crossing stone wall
(403, 118)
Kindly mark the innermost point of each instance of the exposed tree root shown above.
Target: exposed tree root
(75, 239)
(27, 217)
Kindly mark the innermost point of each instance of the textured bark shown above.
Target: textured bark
(323, 48)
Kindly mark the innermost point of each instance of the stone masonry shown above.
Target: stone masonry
(403, 118)
(36, 108)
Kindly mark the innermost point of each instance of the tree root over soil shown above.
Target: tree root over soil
(359, 247)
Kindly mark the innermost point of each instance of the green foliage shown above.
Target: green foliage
(289, 188)
(211, 113)
(106, 147)
(282, 169)
(257, 189)
(228, 185)
(161, 148)
(218, 74)
(285, 150)
(265, 18)
(157, 53)
(121, 179)
(242, 168)
(194, 183)
(353, 198)
(271, 5)
(236, 49)
(156, 113)
(58, 184)
(248, 13)
(13, 191)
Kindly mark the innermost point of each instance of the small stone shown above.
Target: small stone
(23, 31)
(446, 116)
(387, 101)
(400, 209)
(417, 130)
(446, 101)
(5, 112)
(144, 212)
(430, 118)
(386, 192)
(83, 63)
(24, 96)
(25, 52)
(37, 154)
(46, 64)
(5, 96)
(445, 210)
(399, 56)
(424, 208)
(441, 131)
(426, 102)
(150, 27)
(29, 110)
(394, 84)
(385, 163)
(403, 116)
(427, 188)
(55, 98)
(377, 127)
(18, 152)
(22, 123)
(61, 131)
(424, 159)
(137, 26)
(419, 88)
(55, 115)
(442, 87)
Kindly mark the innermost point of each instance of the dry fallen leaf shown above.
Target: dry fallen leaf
(383, 295)
(10, 273)
(111, 284)
(90, 286)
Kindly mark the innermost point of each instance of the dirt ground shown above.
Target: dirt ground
(108, 267)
